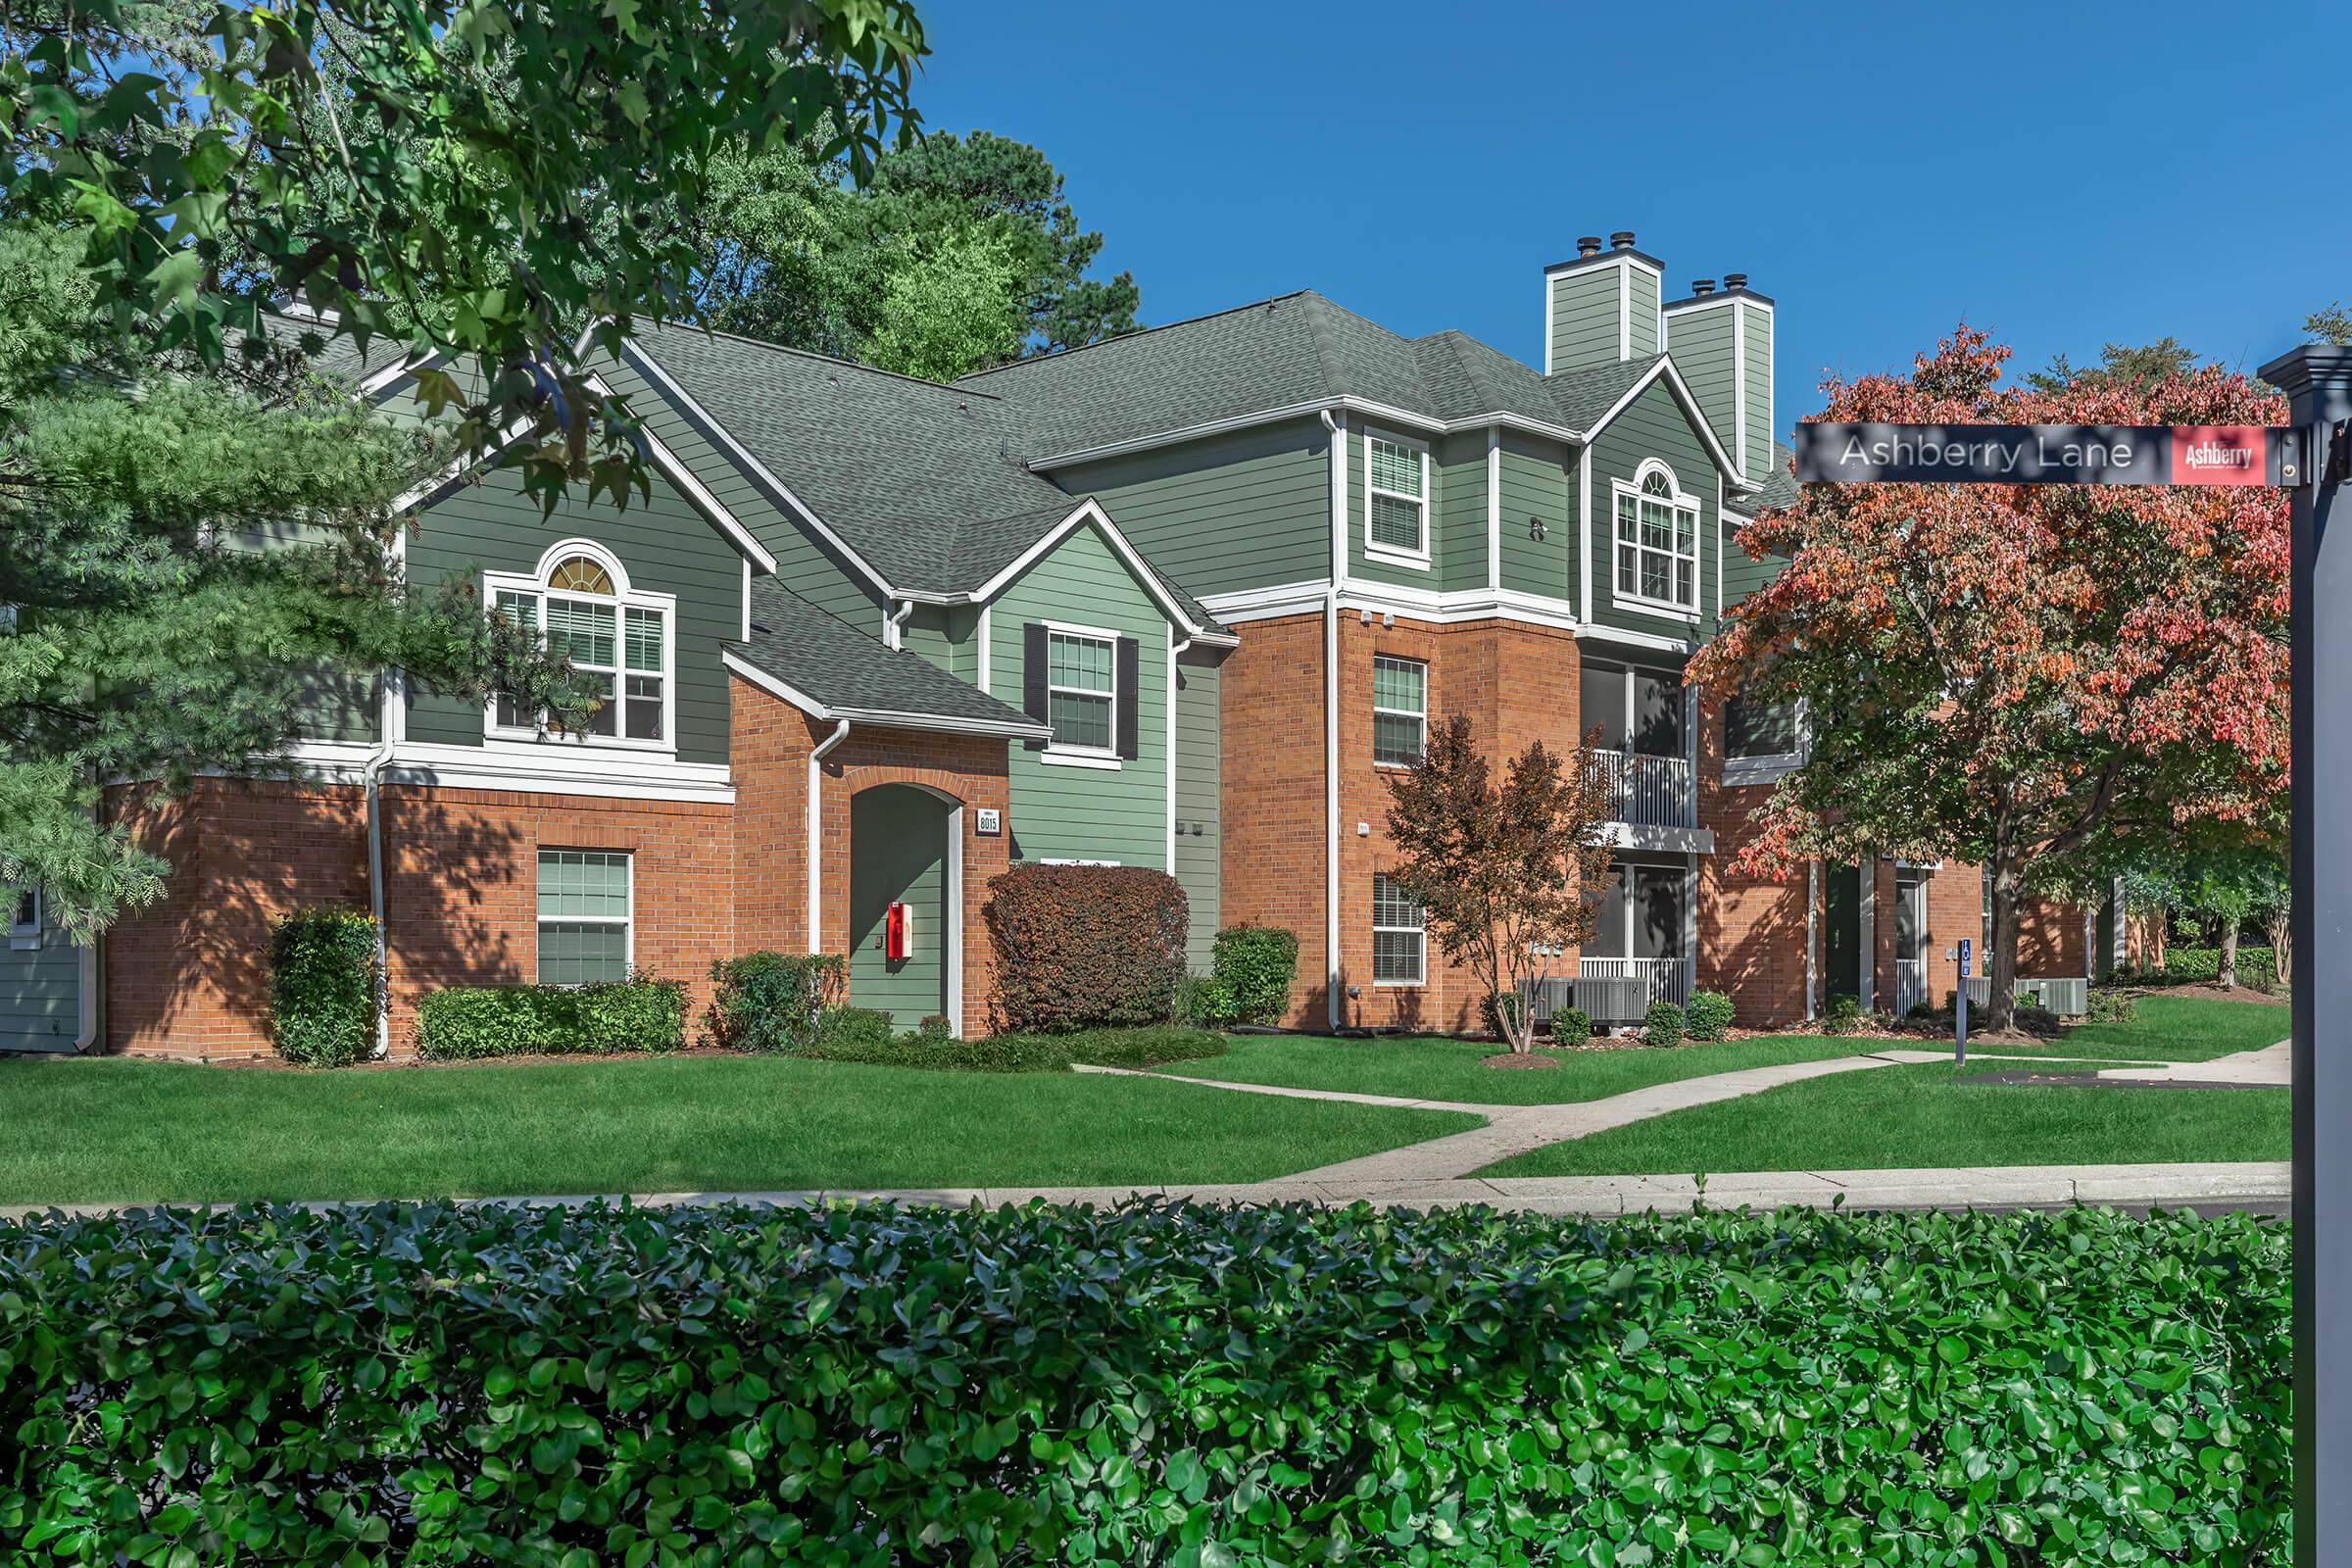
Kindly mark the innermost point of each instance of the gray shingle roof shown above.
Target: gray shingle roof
(1291, 351)
(1779, 481)
(844, 667)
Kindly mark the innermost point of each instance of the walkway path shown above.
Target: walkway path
(2267, 1066)
(1516, 1129)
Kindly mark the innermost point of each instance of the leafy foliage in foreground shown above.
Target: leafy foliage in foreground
(875, 1384)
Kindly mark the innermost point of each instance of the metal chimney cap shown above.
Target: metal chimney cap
(1734, 281)
(1587, 245)
(1622, 240)
(1703, 285)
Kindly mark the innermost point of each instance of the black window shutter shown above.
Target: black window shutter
(1129, 672)
(1033, 678)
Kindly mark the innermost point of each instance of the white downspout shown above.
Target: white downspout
(1331, 717)
(894, 630)
(1176, 649)
(817, 832)
(377, 759)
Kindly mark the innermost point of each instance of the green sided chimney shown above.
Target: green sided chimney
(1603, 307)
(1721, 340)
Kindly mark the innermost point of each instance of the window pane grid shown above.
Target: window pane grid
(1396, 467)
(1657, 544)
(621, 650)
(1397, 942)
(1395, 522)
(1400, 709)
(1081, 664)
(584, 916)
(581, 633)
(1081, 678)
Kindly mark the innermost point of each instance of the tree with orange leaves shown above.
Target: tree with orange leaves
(2036, 678)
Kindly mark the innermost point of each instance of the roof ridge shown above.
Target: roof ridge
(832, 358)
(1326, 356)
(1141, 331)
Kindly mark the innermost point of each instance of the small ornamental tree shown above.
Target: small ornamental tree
(2034, 678)
(1502, 872)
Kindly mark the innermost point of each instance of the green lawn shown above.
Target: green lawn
(104, 1130)
(1897, 1117)
(2168, 1029)
(1453, 1069)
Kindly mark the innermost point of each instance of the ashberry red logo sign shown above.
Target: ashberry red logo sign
(2219, 454)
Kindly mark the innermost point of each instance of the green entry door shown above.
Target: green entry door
(899, 855)
(1840, 932)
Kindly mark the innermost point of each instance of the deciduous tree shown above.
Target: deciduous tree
(2027, 677)
(1506, 874)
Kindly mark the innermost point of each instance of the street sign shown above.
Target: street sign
(1964, 950)
(2045, 454)
(1960, 1007)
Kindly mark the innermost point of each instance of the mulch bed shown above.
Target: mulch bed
(1510, 1060)
(2210, 993)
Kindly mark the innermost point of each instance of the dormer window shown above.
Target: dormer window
(581, 604)
(1657, 541)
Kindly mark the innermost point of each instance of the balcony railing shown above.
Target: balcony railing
(1910, 985)
(1646, 791)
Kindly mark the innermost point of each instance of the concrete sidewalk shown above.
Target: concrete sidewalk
(2204, 1186)
(2246, 1069)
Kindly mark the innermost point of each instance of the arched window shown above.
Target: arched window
(579, 600)
(1657, 540)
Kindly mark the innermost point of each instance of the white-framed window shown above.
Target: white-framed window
(1399, 944)
(1399, 710)
(581, 604)
(586, 900)
(1759, 729)
(1657, 540)
(1395, 500)
(1082, 691)
(25, 917)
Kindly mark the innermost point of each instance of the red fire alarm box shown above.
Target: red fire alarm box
(898, 933)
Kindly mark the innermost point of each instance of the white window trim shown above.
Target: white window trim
(627, 922)
(1421, 931)
(624, 598)
(22, 934)
(1397, 555)
(1422, 716)
(1058, 754)
(1680, 500)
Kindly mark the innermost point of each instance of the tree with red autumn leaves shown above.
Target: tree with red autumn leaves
(2035, 679)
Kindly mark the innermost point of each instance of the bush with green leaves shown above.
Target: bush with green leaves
(1710, 1016)
(1258, 962)
(1205, 1002)
(607, 1019)
(2108, 1004)
(842, 1029)
(1571, 1026)
(322, 978)
(1665, 1025)
(2257, 967)
(1843, 1015)
(1258, 1386)
(770, 1000)
(859, 1039)
(1083, 947)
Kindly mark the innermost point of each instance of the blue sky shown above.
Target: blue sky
(2065, 175)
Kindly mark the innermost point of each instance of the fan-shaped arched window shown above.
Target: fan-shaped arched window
(1657, 540)
(580, 602)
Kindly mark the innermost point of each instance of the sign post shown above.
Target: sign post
(2312, 459)
(1960, 1009)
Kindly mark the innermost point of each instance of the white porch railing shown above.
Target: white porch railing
(1649, 791)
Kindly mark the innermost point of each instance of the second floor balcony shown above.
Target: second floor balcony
(1649, 791)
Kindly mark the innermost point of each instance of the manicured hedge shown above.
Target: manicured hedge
(873, 1385)
(323, 986)
(2257, 967)
(1258, 962)
(1085, 946)
(771, 1001)
(1101, 1048)
(620, 1015)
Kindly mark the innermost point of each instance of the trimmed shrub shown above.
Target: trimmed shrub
(1843, 1015)
(607, 1018)
(842, 1028)
(1710, 1014)
(2110, 1005)
(1085, 946)
(771, 1001)
(1665, 1026)
(934, 1028)
(1205, 1002)
(2257, 967)
(1258, 962)
(861, 1042)
(323, 986)
(437, 1383)
(1571, 1026)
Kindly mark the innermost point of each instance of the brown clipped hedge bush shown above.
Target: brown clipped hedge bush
(1085, 946)
(869, 1385)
